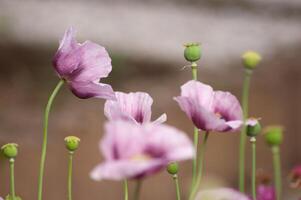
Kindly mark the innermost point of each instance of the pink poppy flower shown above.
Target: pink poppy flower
(295, 177)
(221, 194)
(210, 110)
(82, 66)
(265, 192)
(134, 107)
(134, 151)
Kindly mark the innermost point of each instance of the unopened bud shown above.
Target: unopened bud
(251, 59)
(72, 143)
(10, 150)
(192, 52)
(172, 168)
(273, 135)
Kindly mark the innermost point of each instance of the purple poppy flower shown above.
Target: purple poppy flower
(134, 107)
(221, 194)
(210, 110)
(265, 192)
(135, 151)
(82, 66)
(295, 177)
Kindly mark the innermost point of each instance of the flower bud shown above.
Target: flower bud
(254, 129)
(192, 52)
(10, 150)
(72, 143)
(172, 168)
(251, 59)
(273, 135)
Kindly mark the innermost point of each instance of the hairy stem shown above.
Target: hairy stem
(138, 189)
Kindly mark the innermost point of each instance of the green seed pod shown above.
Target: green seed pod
(10, 150)
(273, 135)
(172, 168)
(251, 59)
(253, 131)
(192, 52)
(72, 143)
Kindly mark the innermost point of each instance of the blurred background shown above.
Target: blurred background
(145, 39)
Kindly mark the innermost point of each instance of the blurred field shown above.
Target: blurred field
(27, 77)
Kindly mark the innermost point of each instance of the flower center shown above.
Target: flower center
(140, 157)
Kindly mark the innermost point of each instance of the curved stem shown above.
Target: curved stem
(138, 189)
(70, 166)
(242, 146)
(253, 143)
(126, 190)
(12, 178)
(176, 179)
(201, 163)
(45, 135)
(277, 171)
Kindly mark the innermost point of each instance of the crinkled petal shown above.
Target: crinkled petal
(199, 92)
(227, 106)
(221, 194)
(160, 119)
(66, 60)
(130, 106)
(95, 62)
(86, 90)
(201, 118)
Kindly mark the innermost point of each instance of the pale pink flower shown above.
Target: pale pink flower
(210, 110)
(221, 194)
(135, 151)
(82, 66)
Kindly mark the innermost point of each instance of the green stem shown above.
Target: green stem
(253, 143)
(126, 190)
(277, 171)
(12, 178)
(176, 179)
(45, 135)
(194, 166)
(70, 166)
(194, 70)
(242, 146)
(201, 163)
(137, 189)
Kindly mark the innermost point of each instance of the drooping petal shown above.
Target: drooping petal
(221, 194)
(86, 90)
(202, 118)
(227, 106)
(265, 193)
(135, 106)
